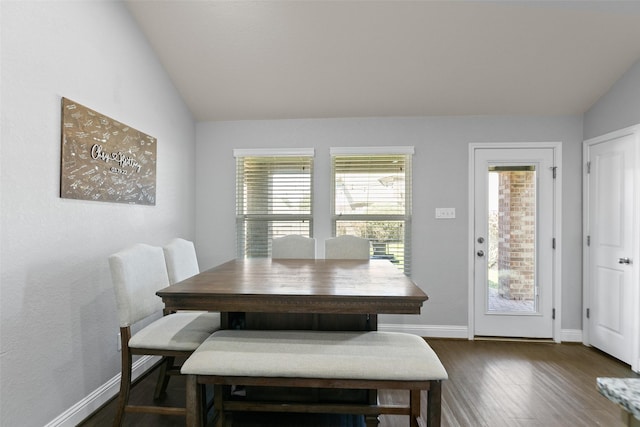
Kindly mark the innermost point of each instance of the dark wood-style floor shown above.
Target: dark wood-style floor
(491, 383)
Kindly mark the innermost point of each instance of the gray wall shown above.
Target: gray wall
(617, 109)
(440, 180)
(58, 316)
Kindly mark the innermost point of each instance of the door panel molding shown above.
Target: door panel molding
(556, 226)
(611, 320)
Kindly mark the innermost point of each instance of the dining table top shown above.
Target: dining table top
(298, 286)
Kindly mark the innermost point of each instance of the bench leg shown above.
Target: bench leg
(194, 402)
(434, 404)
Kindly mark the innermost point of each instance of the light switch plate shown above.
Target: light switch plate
(445, 213)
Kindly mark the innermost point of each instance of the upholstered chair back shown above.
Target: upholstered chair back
(138, 272)
(293, 246)
(347, 247)
(181, 259)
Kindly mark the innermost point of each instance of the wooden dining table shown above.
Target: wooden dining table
(299, 293)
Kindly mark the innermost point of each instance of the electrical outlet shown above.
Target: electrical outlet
(119, 343)
(445, 213)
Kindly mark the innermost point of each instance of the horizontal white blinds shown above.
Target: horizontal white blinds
(275, 185)
(372, 199)
(273, 199)
(370, 185)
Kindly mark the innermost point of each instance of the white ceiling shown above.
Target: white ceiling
(236, 60)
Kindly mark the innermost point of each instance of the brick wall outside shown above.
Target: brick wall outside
(516, 235)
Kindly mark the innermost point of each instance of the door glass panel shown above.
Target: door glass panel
(511, 260)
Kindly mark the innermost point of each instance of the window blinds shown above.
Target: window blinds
(274, 197)
(371, 198)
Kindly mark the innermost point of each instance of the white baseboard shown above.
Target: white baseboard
(450, 331)
(428, 331)
(81, 410)
(571, 335)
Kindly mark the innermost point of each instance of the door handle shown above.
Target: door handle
(480, 253)
(624, 261)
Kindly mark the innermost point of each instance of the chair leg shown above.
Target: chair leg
(414, 408)
(125, 380)
(163, 377)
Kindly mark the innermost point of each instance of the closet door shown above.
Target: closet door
(612, 239)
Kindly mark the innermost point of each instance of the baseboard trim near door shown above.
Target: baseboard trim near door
(460, 332)
(571, 335)
(103, 394)
(427, 331)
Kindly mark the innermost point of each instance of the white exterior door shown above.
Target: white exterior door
(513, 242)
(612, 240)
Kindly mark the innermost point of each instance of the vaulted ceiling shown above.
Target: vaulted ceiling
(236, 60)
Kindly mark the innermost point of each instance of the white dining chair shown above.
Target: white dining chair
(293, 246)
(138, 272)
(347, 247)
(181, 259)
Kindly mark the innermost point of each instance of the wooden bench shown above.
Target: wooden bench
(315, 359)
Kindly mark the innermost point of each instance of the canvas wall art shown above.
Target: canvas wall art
(105, 160)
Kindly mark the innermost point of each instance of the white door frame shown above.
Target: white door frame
(557, 228)
(586, 286)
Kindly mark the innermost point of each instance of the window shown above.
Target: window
(371, 198)
(273, 198)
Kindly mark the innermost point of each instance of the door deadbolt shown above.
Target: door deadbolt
(480, 239)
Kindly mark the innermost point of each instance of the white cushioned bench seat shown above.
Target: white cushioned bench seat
(366, 360)
(316, 354)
